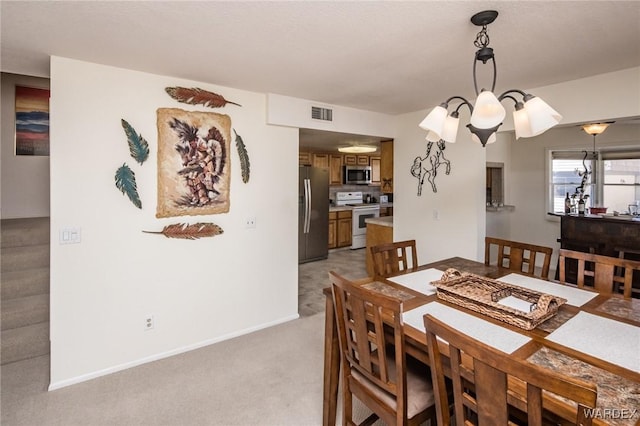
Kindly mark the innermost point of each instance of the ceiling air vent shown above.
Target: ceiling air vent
(318, 113)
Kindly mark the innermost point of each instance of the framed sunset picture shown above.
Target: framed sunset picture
(32, 121)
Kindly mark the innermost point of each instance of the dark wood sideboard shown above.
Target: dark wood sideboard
(602, 235)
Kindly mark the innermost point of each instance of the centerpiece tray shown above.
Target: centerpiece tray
(484, 295)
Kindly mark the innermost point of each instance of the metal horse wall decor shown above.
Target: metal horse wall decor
(427, 166)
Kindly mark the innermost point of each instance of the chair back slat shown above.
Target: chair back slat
(392, 258)
(517, 256)
(598, 271)
(481, 376)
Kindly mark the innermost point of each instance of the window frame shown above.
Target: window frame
(597, 176)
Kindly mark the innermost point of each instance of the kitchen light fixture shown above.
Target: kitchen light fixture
(532, 116)
(357, 149)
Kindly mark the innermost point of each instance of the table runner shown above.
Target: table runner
(574, 296)
(491, 334)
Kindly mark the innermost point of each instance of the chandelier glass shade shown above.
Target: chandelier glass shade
(531, 117)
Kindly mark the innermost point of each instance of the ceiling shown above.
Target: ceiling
(386, 56)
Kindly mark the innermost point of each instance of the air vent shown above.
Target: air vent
(318, 113)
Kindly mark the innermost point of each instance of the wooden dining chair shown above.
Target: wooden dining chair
(480, 375)
(519, 257)
(597, 271)
(375, 368)
(391, 258)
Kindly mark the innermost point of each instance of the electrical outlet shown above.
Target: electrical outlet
(436, 214)
(250, 222)
(149, 322)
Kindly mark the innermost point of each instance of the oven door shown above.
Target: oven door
(359, 227)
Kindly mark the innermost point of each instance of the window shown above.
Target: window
(621, 185)
(614, 181)
(565, 166)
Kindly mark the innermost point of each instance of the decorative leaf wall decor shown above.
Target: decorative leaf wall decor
(138, 146)
(196, 96)
(244, 157)
(126, 182)
(189, 232)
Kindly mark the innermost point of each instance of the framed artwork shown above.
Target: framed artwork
(32, 121)
(193, 162)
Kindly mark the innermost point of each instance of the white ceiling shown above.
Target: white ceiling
(387, 56)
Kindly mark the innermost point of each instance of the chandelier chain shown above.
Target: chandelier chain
(482, 38)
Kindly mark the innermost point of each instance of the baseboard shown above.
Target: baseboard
(89, 376)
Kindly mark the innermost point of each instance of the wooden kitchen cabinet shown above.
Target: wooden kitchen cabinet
(321, 160)
(363, 160)
(386, 166)
(304, 158)
(375, 170)
(335, 170)
(333, 227)
(350, 159)
(344, 228)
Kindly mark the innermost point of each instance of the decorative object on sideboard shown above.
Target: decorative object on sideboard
(126, 183)
(189, 232)
(245, 165)
(197, 96)
(138, 146)
(531, 117)
(427, 166)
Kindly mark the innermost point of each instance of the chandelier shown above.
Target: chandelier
(531, 117)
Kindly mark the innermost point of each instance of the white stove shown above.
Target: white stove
(360, 212)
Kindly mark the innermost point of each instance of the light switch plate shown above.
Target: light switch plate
(70, 235)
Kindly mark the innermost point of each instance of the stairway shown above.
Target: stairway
(25, 288)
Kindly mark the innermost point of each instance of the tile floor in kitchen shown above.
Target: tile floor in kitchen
(313, 277)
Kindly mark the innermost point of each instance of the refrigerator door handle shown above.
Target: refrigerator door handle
(307, 205)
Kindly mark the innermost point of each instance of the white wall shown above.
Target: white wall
(451, 221)
(199, 291)
(25, 179)
(288, 111)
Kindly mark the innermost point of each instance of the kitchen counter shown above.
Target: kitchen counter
(333, 208)
(379, 231)
(382, 221)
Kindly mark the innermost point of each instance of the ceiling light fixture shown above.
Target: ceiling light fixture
(532, 116)
(357, 149)
(595, 129)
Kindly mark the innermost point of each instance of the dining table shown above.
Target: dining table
(594, 337)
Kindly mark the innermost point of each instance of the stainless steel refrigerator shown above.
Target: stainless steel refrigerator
(313, 214)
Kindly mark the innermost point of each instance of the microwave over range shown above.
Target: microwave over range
(356, 175)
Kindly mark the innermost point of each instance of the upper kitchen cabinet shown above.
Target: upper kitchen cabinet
(304, 158)
(321, 160)
(374, 162)
(335, 169)
(356, 160)
(386, 166)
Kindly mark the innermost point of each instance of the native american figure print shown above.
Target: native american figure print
(193, 163)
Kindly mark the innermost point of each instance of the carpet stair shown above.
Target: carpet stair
(24, 298)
